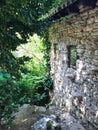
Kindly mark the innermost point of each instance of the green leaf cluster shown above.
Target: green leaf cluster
(8, 94)
(18, 20)
(34, 82)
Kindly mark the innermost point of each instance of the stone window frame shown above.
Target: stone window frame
(71, 63)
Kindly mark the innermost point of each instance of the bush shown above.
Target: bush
(35, 90)
(31, 85)
(8, 98)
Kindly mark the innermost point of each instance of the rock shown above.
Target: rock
(24, 112)
(47, 123)
(76, 126)
(42, 109)
(39, 109)
(26, 116)
(27, 111)
(60, 120)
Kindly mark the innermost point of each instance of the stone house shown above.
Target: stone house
(74, 58)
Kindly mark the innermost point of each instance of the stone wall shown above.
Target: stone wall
(76, 89)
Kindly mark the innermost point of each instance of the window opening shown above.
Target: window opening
(72, 56)
(56, 49)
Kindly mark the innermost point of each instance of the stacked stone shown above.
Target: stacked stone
(77, 89)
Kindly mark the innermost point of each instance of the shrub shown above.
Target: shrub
(8, 98)
(34, 89)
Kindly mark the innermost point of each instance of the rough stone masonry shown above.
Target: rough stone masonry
(76, 88)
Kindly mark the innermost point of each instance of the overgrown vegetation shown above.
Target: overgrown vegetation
(34, 82)
(20, 83)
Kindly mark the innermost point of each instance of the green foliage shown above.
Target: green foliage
(8, 96)
(57, 2)
(35, 89)
(35, 81)
(47, 46)
(18, 20)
